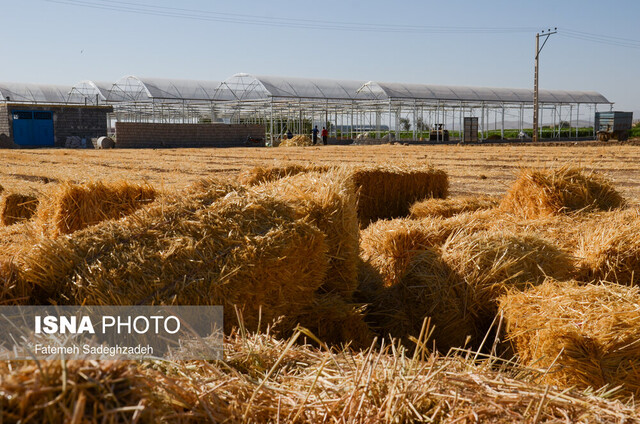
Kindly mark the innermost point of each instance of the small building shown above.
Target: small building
(37, 115)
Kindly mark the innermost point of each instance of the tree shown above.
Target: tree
(421, 125)
(405, 125)
(565, 124)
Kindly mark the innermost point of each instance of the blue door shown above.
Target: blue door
(33, 128)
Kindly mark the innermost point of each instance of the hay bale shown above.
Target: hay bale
(609, 248)
(73, 207)
(429, 289)
(587, 335)
(538, 193)
(242, 250)
(389, 245)
(327, 201)
(447, 208)
(259, 174)
(389, 192)
(337, 322)
(491, 262)
(16, 207)
(296, 141)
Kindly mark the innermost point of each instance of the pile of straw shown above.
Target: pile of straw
(264, 379)
(261, 174)
(242, 250)
(72, 207)
(427, 290)
(585, 336)
(296, 141)
(327, 201)
(447, 208)
(16, 208)
(389, 245)
(609, 248)
(491, 262)
(539, 193)
(388, 192)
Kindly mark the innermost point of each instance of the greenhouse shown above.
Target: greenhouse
(348, 107)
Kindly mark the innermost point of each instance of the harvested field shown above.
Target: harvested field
(276, 233)
(447, 208)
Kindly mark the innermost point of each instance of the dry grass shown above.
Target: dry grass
(328, 201)
(586, 336)
(447, 208)
(260, 174)
(248, 251)
(386, 192)
(269, 380)
(72, 207)
(296, 141)
(16, 208)
(539, 193)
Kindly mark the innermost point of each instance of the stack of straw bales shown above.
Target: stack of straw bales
(491, 262)
(296, 141)
(389, 192)
(73, 207)
(539, 193)
(587, 336)
(244, 250)
(447, 208)
(609, 248)
(327, 201)
(16, 207)
(261, 174)
(389, 245)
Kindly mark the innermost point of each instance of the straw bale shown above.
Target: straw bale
(260, 174)
(544, 192)
(491, 262)
(52, 392)
(248, 251)
(16, 207)
(296, 141)
(609, 248)
(428, 289)
(337, 322)
(389, 245)
(388, 192)
(327, 201)
(72, 207)
(585, 335)
(447, 208)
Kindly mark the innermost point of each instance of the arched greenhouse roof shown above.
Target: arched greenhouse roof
(38, 93)
(383, 90)
(90, 89)
(132, 88)
(260, 87)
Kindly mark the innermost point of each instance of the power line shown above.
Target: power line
(601, 39)
(280, 21)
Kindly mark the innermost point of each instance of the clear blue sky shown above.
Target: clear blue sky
(475, 43)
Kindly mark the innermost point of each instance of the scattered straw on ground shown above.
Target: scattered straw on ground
(586, 335)
(552, 191)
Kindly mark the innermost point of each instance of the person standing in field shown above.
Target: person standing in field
(314, 133)
(324, 134)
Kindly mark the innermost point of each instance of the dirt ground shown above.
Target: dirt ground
(472, 169)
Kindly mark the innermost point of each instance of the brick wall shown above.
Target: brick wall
(139, 135)
(5, 127)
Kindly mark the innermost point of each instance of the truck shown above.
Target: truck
(613, 124)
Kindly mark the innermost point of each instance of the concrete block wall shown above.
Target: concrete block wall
(154, 135)
(5, 127)
(84, 122)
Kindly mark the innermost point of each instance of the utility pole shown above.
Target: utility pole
(535, 79)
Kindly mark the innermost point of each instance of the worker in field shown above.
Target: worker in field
(325, 135)
(289, 134)
(314, 134)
